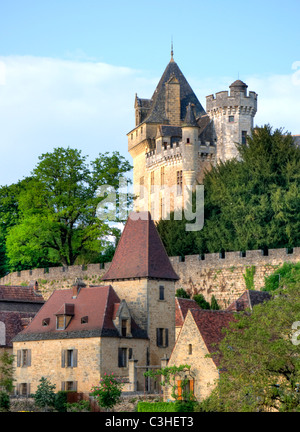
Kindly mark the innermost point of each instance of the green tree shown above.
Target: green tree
(214, 304)
(199, 298)
(260, 355)
(108, 393)
(250, 203)
(44, 396)
(59, 220)
(181, 292)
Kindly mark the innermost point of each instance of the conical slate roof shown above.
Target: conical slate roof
(190, 117)
(157, 111)
(140, 252)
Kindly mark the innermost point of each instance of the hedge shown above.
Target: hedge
(177, 406)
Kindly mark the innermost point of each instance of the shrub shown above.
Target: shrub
(181, 292)
(4, 401)
(80, 406)
(60, 401)
(199, 298)
(108, 393)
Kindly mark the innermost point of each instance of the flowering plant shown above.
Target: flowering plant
(109, 391)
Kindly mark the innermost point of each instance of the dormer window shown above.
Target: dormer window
(64, 316)
(45, 322)
(84, 320)
(124, 328)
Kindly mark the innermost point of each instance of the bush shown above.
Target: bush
(185, 406)
(156, 407)
(199, 298)
(60, 401)
(287, 273)
(80, 406)
(4, 401)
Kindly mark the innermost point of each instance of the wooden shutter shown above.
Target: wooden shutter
(120, 358)
(75, 385)
(63, 385)
(179, 389)
(63, 358)
(28, 389)
(75, 356)
(157, 337)
(29, 357)
(166, 337)
(18, 358)
(192, 387)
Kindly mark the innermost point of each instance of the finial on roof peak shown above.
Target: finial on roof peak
(172, 52)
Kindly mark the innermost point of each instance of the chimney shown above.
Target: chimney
(34, 285)
(78, 284)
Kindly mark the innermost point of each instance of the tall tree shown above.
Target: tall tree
(58, 209)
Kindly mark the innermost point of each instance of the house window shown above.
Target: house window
(162, 337)
(69, 386)
(162, 208)
(187, 140)
(165, 145)
(45, 322)
(23, 358)
(190, 349)
(185, 390)
(161, 292)
(130, 353)
(122, 357)
(244, 137)
(124, 328)
(179, 182)
(84, 320)
(60, 322)
(231, 119)
(69, 358)
(23, 389)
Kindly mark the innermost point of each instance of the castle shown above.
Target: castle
(175, 140)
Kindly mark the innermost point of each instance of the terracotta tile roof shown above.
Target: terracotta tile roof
(20, 293)
(211, 324)
(97, 303)
(140, 252)
(249, 299)
(182, 306)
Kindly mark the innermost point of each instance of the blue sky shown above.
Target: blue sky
(69, 69)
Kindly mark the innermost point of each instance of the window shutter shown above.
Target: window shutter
(120, 357)
(179, 389)
(29, 357)
(75, 385)
(192, 387)
(18, 358)
(28, 389)
(63, 358)
(166, 337)
(157, 336)
(75, 351)
(63, 385)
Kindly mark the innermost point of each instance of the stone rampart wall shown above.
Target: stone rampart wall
(221, 276)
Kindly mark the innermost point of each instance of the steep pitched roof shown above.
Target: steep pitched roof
(97, 303)
(210, 325)
(249, 299)
(140, 252)
(20, 294)
(157, 111)
(182, 306)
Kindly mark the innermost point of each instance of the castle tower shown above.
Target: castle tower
(164, 162)
(232, 115)
(142, 275)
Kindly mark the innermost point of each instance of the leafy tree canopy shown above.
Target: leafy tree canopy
(55, 218)
(250, 203)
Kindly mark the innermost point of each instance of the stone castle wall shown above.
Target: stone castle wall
(222, 277)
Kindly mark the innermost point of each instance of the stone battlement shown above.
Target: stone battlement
(223, 99)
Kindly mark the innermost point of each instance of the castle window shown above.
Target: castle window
(161, 292)
(162, 177)
(187, 140)
(152, 181)
(162, 337)
(244, 137)
(289, 251)
(142, 187)
(130, 354)
(231, 119)
(222, 255)
(131, 136)
(165, 145)
(122, 357)
(243, 254)
(179, 182)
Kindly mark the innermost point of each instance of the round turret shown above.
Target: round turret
(238, 86)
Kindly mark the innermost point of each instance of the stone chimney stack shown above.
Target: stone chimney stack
(78, 284)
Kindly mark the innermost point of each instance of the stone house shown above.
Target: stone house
(123, 327)
(18, 306)
(201, 330)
